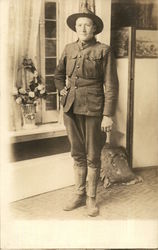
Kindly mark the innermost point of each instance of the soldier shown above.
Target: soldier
(86, 78)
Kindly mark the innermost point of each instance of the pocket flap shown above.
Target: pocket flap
(73, 56)
(93, 57)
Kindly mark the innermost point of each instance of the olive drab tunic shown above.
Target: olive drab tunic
(89, 72)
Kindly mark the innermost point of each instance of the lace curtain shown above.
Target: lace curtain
(23, 28)
(24, 18)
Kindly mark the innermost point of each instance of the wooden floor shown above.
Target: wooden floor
(139, 201)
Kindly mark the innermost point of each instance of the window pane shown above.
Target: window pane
(50, 86)
(50, 66)
(50, 10)
(50, 29)
(50, 48)
(51, 102)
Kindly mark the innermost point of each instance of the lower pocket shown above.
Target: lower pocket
(95, 101)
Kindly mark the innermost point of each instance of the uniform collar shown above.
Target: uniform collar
(86, 44)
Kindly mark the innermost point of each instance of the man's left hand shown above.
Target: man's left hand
(106, 124)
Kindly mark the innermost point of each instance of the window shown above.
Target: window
(48, 58)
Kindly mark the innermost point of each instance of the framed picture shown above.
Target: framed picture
(120, 41)
(146, 43)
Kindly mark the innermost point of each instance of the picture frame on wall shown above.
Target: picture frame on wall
(120, 42)
(146, 43)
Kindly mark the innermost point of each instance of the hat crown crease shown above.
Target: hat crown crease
(87, 7)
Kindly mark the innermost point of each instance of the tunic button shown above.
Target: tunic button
(76, 77)
(79, 56)
(78, 66)
(75, 87)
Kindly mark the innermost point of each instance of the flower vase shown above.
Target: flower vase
(28, 114)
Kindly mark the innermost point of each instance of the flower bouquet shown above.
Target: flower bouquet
(28, 98)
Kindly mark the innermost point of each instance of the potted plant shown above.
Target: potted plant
(28, 97)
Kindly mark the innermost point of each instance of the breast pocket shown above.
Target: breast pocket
(70, 65)
(92, 66)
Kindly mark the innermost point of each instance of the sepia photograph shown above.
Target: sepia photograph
(79, 124)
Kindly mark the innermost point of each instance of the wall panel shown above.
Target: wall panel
(145, 138)
(118, 136)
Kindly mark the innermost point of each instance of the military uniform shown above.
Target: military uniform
(88, 71)
(88, 68)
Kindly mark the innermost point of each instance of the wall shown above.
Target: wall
(118, 136)
(145, 131)
(143, 15)
(145, 141)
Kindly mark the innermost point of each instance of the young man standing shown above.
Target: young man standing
(86, 78)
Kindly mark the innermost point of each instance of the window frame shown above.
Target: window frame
(48, 116)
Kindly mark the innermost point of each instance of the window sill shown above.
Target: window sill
(39, 132)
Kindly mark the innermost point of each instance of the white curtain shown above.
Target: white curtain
(103, 10)
(24, 18)
(23, 32)
(65, 34)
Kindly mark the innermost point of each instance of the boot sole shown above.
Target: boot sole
(93, 215)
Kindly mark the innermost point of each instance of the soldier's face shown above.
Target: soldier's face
(85, 28)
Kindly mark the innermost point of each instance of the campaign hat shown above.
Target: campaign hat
(85, 12)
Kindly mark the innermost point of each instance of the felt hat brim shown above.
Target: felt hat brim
(71, 21)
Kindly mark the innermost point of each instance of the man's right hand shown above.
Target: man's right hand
(63, 92)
